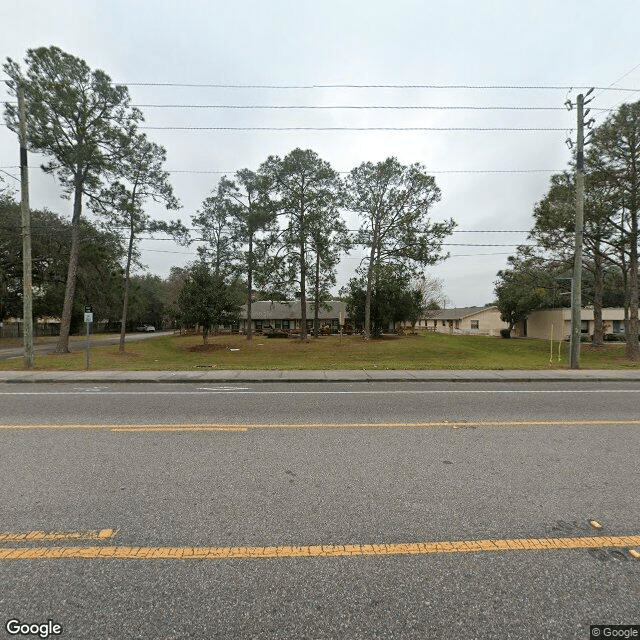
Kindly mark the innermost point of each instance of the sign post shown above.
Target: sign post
(88, 319)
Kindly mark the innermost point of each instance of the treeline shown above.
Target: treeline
(100, 275)
(539, 276)
(278, 229)
(90, 134)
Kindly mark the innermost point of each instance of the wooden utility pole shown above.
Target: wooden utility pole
(27, 291)
(576, 291)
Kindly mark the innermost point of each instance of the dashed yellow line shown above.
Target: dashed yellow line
(37, 536)
(325, 425)
(318, 551)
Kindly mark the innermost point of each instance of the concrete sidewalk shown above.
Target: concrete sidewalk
(247, 376)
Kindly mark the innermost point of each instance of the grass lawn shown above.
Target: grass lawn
(425, 351)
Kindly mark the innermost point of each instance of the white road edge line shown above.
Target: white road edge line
(327, 392)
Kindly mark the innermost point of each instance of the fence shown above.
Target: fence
(15, 330)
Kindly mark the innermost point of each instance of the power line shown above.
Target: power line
(366, 86)
(232, 171)
(354, 107)
(459, 255)
(496, 171)
(172, 128)
(624, 75)
(391, 107)
(471, 244)
(11, 175)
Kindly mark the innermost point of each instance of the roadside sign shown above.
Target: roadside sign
(88, 317)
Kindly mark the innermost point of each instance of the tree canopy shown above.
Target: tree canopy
(393, 202)
(78, 118)
(306, 195)
(393, 299)
(207, 300)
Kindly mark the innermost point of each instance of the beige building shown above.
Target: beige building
(481, 321)
(555, 324)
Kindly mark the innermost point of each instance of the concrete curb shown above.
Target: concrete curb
(261, 376)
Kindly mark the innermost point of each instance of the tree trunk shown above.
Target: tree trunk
(633, 345)
(303, 273)
(125, 303)
(316, 311)
(70, 290)
(625, 286)
(303, 292)
(598, 290)
(249, 288)
(367, 300)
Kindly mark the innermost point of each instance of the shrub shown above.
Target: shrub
(505, 333)
(277, 334)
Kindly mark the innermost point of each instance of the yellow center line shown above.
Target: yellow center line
(179, 428)
(320, 551)
(36, 536)
(325, 425)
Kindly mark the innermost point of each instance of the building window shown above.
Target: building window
(258, 325)
(475, 324)
(285, 324)
(584, 326)
(278, 324)
(618, 326)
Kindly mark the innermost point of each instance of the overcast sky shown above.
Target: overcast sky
(545, 43)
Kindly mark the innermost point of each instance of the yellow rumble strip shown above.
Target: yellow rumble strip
(318, 551)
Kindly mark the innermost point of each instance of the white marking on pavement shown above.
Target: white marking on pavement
(223, 388)
(327, 392)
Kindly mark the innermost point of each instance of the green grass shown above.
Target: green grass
(426, 351)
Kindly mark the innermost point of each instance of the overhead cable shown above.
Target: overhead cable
(172, 128)
(365, 86)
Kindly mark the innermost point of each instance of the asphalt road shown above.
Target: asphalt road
(322, 470)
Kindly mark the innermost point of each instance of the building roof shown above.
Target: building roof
(268, 310)
(458, 313)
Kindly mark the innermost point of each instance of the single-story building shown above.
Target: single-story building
(545, 323)
(481, 321)
(288, 315)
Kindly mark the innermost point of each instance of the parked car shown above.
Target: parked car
(146, 328)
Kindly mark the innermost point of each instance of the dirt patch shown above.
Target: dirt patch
(208, 348)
